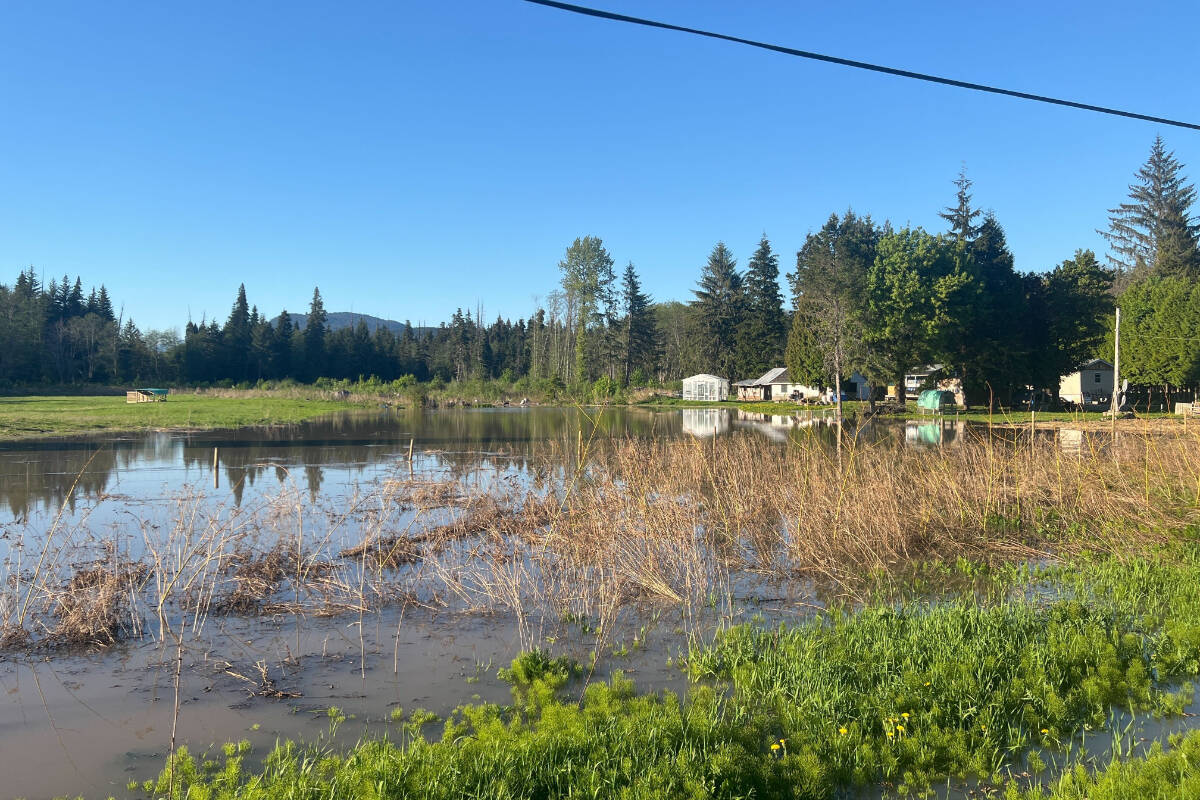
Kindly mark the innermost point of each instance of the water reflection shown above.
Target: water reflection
(331, 456)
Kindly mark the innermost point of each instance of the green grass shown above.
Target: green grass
(1159, 775)
(31, 417)
(894, 695)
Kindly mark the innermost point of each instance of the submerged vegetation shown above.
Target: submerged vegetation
(897, 697)
(967, 613)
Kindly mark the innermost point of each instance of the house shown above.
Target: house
(777, 385)
(1089, 385)
(705, 387)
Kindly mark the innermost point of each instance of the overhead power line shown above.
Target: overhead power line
(846, 62)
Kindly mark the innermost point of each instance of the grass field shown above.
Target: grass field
(32, 417)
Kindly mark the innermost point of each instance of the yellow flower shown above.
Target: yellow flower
(842, 731)
(774, 747)
(983, 728)
(900, 728)
(890, 734)
(1045, 730)
(905, 715)
(926, 683)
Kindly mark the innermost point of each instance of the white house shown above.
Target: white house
(1092, 383)
(777, 385)
(705, 387)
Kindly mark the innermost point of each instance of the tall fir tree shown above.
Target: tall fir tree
(761, 335)
(1154, 233)
(717, 312)
(962, 214)
(639, 333)
(315, 330)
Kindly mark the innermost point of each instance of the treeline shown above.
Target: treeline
(864, 297)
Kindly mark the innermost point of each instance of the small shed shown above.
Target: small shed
(146, 395)
(705, 387)
(937, 400)
(1091, 384)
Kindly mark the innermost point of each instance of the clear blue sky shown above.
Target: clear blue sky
(410, 158)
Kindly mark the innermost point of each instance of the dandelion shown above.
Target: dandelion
(890, 734)
(842, 730)
(900, 728)
(983, 728)
(775, 747)
(905, 715)
(1045, 731)
(926, 683)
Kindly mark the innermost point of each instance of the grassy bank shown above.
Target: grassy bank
(34, 416)
(886, 697)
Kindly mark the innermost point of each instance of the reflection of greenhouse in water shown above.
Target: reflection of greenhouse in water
(705, 421)
(933, 433)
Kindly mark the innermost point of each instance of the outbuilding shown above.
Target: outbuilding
(1090, 384)
(705, 387)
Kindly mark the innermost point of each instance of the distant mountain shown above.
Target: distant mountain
(336, 320)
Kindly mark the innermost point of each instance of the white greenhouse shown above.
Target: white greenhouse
(705, 387)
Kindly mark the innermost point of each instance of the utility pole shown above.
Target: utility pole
(1116, 392)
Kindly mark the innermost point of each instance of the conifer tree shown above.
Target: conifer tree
(314, 337)
(1154, 233)
(961, 216)
(639, 340)
(762, 331)
(717, 312)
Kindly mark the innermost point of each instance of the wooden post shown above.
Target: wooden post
(1116, 390)
(216, 470)
(410, 449)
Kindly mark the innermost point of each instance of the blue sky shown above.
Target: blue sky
(410, 158)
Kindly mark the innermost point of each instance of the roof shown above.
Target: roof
(1097, 363)
(770, 377)
(704, 375)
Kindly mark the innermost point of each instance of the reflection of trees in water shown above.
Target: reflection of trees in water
(42, 481)
(40, 476)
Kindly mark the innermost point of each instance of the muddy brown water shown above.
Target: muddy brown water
(87, 722)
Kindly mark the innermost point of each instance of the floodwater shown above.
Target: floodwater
(89, 722)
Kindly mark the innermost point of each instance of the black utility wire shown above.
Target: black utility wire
(846, 62)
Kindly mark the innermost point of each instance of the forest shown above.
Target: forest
(862, 296)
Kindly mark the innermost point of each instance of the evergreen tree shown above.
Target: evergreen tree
(717, 312)
(281, 351)
(961, 216)
(236, 338)
(987, 348)
(1160, 333)
(1068, 312)
(912, 288)
(314, 337)
(639, 340)
(104, 306)
(762, 331)
(1154, 233)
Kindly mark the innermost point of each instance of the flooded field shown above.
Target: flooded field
(169, 589)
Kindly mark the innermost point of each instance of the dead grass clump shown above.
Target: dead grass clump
(257, 577)
(390, 552)
(14, 637)
(427, 494)
(93, 607)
